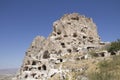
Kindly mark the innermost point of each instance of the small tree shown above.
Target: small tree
(115, 46)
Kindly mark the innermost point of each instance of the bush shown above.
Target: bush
(115, 46)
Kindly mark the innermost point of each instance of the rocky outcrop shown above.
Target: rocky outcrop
(72, 37)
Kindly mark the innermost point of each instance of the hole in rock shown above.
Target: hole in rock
(102, 54)
(46, 54)
(69, 50)
(39, 68)
(25, 68)
(63, 45)
(33, 63)
(44, 67)
(26, 76)
(60, 51)
(61, 60)
(65, 35)
(113, 53)
(69, 23)
(74, 34)
(58, 32)
(33, 75)
(75, 18)
(84, 37)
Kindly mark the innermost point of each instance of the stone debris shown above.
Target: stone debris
(72, 34)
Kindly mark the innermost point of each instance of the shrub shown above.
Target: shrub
(115, 46)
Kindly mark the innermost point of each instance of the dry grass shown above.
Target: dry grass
(108, 70)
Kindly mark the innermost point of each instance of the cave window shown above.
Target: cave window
(61, 60)
(102, 54)
(39, 68)
(33, 63)
(60, 51)
(44, 67)
(65, 35)
(33, 74)
(30, 69)
(46, 54)
(90, 37)
(113, 53)
(36, 77)
(74, 34)
(84, 37)
(25, 68)
(58, 38)
(75, 18)
(91, 41)
(69, 23)
(75, 49)
(58, 32)
(69, 50)
(29, 55)
(26, 76)
(90, 48)
(79, 43)
(63, 45)
(84, 30)
(54, 34)
(33, 46)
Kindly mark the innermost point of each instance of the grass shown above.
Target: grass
(108, 70)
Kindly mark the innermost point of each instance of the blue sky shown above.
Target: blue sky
(23, 20)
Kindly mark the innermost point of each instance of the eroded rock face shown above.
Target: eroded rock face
(72, 34)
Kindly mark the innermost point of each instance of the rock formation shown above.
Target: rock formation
(72, 37)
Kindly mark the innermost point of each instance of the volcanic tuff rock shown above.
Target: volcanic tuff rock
(45, 59)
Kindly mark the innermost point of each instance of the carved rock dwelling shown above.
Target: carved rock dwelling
(55, 57)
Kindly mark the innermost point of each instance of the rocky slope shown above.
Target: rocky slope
(65, 53)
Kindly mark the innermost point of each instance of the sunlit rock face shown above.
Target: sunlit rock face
(72, 34)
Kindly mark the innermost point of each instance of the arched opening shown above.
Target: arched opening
(39, 68)
(25, 68)
(112, 53)
(65, 35)
(46, 54)
(69, 50)
(74, 34)
(33, 63)
(26, 76)
(102, 54)
(44, 67)
(63, 45)
(59, 32)
(33, 75)
(60, 60)
(84, 37)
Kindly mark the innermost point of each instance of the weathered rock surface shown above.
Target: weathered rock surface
(72, 37)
